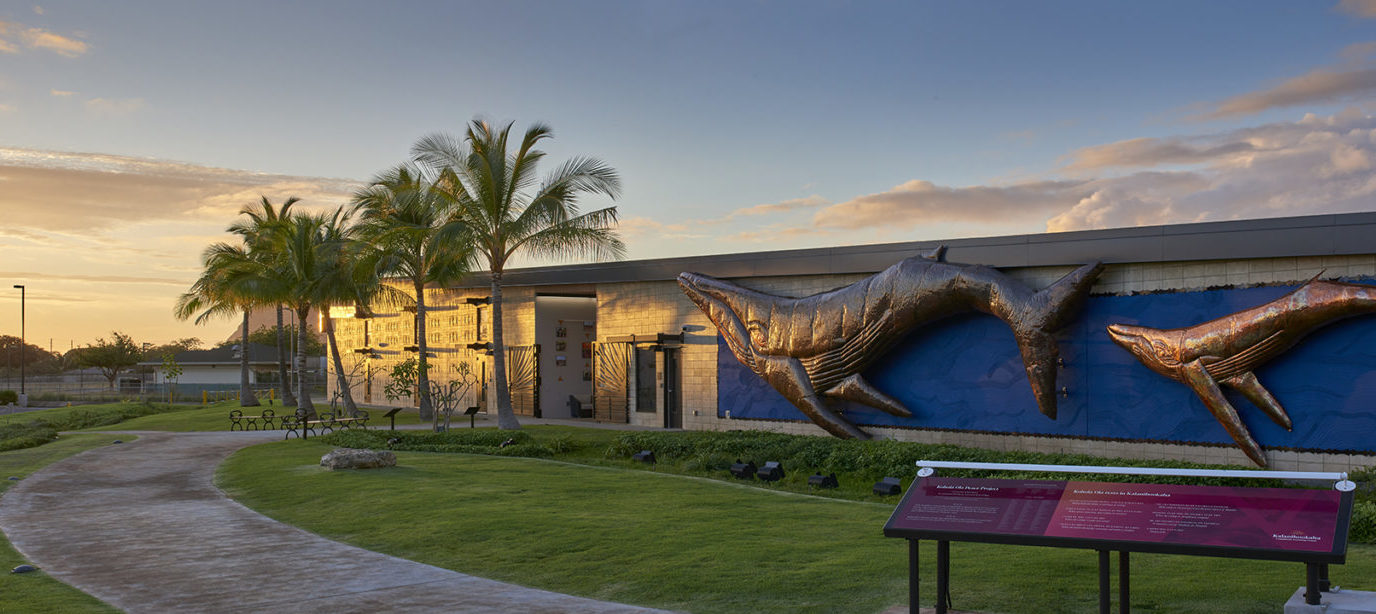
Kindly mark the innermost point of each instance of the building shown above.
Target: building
(624, 336)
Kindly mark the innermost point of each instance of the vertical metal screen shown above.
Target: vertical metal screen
(611, 381)
(523, 379)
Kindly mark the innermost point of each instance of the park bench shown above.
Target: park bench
(240, 422)
(325, 422)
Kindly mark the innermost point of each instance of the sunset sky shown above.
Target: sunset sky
(132, 132)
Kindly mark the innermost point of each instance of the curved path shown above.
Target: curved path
(141, 527)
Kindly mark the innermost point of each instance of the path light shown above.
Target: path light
(888, 487)
(822, 481)
(771, 472)
(744, 471)
(644, 456)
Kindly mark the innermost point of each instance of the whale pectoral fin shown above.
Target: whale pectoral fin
(788, 377)
(1247, 384)
(1197, 378)
(855, 388)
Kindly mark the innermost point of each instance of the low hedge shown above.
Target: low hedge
(465, 441)
(708, 451)
(43, 426)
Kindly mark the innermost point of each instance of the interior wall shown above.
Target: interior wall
(565, 370)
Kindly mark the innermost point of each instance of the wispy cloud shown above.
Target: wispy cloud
(1353, 79)
(110, 107)
(13, 34)
(1358, 8)
(60, 92)
(918, 202)
(68, 192)
(785, 206)
(110, 279)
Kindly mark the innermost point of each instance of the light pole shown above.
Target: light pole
(22, 341)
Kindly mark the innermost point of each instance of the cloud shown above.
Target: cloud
(1146, 152)
(1317, 164)
(1321, 85)
(786, 206)
(648, 227)
(60, 92)
(919, 202)
(113, 279)
(37, 9)
(113, 107)
(77, 193)
(6, 108)
(38, 38)
(1358, 8)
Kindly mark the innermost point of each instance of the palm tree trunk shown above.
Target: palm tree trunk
(283, 384)
(506, 419)
(340, 380)
(246, 398)
(427, 408)
(303, 392)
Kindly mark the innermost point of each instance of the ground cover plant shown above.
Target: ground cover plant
(37, 592)
(29, 429)
(621, 532)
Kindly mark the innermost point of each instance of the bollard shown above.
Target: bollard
(204, 400)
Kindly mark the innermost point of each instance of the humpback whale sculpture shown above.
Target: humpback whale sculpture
(817, 346)
(1226, 350)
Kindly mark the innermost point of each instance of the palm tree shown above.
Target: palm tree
(401, 216)
(230, 282)
(258, 219)
(501, 210)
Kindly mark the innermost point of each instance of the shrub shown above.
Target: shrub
(25, 435)
(8, 396)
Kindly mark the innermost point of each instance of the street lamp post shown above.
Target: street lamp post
(22, 341)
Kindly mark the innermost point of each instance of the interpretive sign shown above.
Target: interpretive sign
(1308, 525)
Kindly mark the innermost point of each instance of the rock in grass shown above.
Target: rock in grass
(118, 441)
(353, 458)
(14, 478)
(24, 569)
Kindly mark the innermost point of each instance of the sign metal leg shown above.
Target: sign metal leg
(1103, 582)
(912, 578)
(943, 576)
(1311, 584)
(1123, 599)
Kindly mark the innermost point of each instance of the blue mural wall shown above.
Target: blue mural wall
(965, 373)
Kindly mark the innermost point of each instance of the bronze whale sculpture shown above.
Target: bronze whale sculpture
(817, 346)
(1226, 350)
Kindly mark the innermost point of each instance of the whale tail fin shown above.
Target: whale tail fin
(1034, 326)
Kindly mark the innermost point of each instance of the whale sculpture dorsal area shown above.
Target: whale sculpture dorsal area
(815, 348)
(1226, 350)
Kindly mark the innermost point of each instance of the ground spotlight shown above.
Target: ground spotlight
(888, 486)
(822, 481)
(771, 472)
(644, 456)
(744, 471)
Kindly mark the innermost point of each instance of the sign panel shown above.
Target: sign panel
(1296, 524)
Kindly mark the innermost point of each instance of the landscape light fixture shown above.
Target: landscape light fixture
(644, 456)
(744, 471)
(771, 472)
(888, 487)
(818, 480)
(23, 342)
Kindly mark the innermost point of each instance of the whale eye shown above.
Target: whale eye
(758, 333)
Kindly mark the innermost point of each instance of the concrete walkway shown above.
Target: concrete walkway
(141, 527)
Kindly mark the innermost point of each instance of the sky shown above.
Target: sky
(131, 133)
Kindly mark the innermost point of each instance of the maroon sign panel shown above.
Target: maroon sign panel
(1053, 512)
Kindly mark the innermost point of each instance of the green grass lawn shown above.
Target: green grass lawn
(37, 592)
(685, 543)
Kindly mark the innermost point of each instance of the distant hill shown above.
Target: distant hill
(267, 318)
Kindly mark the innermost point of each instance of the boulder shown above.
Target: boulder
(352, 458)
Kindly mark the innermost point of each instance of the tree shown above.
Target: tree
(267, 335)
(401, 217)
(178, 346)
(113, 356)
(253, 232)
(171, 370)
(497, 212)
(231, 281)
(36, 360)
